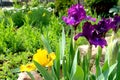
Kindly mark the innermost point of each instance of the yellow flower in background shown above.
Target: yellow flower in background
(22, 68)
(43, 58)
(28, 67)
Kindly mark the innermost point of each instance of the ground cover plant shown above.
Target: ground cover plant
(36, 44)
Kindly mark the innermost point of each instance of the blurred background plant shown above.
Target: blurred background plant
(62, 5)
(101, 7)
(115, 10)
(39, 16)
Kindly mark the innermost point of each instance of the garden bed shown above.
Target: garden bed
(73, 45)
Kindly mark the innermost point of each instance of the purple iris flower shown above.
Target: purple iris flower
(97, 40)
(76, 14)
(89, 32)
(116, 23)
(103, 26)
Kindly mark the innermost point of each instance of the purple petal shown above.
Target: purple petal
(90, 18)
(103, 27)
(98, 41)
(76, 14)
(64, 19)
(116, 23)
(88, 29)
(70, 21)
(77, 36)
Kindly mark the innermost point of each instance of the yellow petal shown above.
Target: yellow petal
(49, 64)
(27, 67)
(41, 57)
(30, 67)
(52, 55)
(22, 68)
(39, 50)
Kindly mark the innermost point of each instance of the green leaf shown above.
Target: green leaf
(64, 68)
(118, 66)
(71, 54)
(105, 66)
(43, 71)
(74, 65)
(15, 70)
(46, 44)
(98, 68)
(57, 62)
(79, 74)
(62, 45)
(106, 74)
(54, 73)
(112, 52)
(113, 10)
(31, 76)
(59, 54)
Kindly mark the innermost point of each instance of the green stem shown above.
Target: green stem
(89, 56)
(97, 61)
(87, 63)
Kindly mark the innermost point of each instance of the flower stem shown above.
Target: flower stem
(87, 62)
(78, 1)
(89, 53)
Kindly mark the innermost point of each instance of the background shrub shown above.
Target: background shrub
(39, 16)
(18, 18)
(10, 62)
(14, 40)
(101, 6)
(62, 5)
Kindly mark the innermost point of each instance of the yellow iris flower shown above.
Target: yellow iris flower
(28, 67)
(43, 58)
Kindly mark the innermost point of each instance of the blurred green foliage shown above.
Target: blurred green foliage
(36, 16)
(115, 9)
(101, 6)
(39, 16)
(33, 3)
(62, 5)
(18, 18)
(20, 39)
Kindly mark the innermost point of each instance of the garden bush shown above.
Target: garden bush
(62, 5)
(18, 18)
(24, 38)
(9, 61)
(39, 17)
